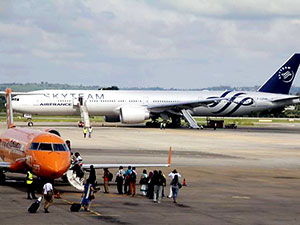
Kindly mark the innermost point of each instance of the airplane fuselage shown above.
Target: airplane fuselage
(109, 103)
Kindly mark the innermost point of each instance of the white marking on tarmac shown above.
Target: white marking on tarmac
(241, 197)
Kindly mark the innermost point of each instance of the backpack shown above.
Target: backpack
(110, 176)
(132, 176)
(49, 194)
(144, 180)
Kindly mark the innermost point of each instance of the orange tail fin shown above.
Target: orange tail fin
(9, 110)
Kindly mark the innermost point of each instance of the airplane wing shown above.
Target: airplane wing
(78, 182)
(292, 97)
(5, 165)
(185, 105)
(101, 166)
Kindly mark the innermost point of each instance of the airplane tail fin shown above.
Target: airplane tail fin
(281, 81)
(9, 110)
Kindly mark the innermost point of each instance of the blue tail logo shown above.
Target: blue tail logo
(281, 81)
(286, 74)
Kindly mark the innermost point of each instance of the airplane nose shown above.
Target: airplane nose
(53, 165)
(56, 169)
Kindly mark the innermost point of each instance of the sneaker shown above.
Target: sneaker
(46, 211)
(29, 198)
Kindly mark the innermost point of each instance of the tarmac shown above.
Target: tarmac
(248, 175)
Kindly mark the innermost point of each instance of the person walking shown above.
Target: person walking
(176, 185)
(48, 193)
(92, 176)
(172, 175)
(77, 165)
(150, 189)
(85, 130)
(68, 143)
(144, 183)
(30, 184)
(106, 177)
(164, 184)
(90, 131)
(120, 179)
(132, 181)
(87, 195)
(127, 180)
(157, 181)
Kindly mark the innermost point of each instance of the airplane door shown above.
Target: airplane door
(145, 100)
(80, 100)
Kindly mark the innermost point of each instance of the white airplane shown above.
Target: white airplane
(133, 107)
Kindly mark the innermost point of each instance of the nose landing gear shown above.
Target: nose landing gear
(2, 177)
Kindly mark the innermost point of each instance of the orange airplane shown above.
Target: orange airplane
(21, 148)
(45, 152)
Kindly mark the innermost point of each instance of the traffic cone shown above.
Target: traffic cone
(57, 194)
(184, 182)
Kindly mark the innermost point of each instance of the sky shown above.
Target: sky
(147, 43)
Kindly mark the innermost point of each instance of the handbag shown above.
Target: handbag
(92, 197)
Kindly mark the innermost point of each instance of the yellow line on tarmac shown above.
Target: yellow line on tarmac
(92, 211)
(96, 213)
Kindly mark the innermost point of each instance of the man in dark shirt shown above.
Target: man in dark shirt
(158, 180)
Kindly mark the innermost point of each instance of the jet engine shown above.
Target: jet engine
(52, 131)
(131, 114)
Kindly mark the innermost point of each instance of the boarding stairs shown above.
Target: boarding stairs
(84, 113)
(188, 118)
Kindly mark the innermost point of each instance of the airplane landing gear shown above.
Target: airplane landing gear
(64, 178)
(29, 119)
(2, 177)
(176, 122)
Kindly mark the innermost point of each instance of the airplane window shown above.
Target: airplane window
(60, 147)
(45, 147)
(49, 147)
(34, 146)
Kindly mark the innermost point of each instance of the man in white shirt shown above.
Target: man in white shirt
(172, 175)
(48, 195)
(119, 179)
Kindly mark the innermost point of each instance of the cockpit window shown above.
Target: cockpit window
(60, 147)
(15, 99)
(34, 146)
(49, 147)
(45, 146)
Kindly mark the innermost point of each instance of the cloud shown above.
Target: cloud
(147, 43)
(246, 9)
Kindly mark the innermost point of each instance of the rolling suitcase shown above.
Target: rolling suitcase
(75, 207)
(35, 206)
